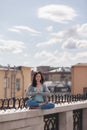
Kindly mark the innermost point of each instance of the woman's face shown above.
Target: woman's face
(38, 77)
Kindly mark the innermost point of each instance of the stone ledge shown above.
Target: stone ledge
(22, 124)
(18, 115)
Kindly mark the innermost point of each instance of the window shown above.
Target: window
(18, 84)
(7, 82)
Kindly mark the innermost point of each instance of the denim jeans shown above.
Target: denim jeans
(32, 103)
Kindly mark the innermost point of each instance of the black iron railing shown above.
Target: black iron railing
(77, 119)
(51, 122)
(9, 103)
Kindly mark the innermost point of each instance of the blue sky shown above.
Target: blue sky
(43, 32)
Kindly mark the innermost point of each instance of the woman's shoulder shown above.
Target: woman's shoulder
(30, 86)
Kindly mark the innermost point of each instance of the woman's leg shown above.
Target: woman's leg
(48, 106)
(32, 103)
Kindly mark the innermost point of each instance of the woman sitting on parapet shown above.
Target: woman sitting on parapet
(38, 93)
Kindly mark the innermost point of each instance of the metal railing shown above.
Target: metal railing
(9, 103)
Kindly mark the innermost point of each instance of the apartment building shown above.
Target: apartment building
(54, 74)
(79, 78)
(14, 81)
(43, 68)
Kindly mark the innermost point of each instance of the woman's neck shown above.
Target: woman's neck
(39, 84)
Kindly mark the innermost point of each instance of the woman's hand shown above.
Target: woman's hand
(38, 90)
(46, 101)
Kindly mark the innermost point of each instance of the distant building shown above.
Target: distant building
(43, 68)
(79, 78)
(59, 74)
(14, 81)
(54, 74)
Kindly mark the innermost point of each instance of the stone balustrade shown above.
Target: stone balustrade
(33, 119)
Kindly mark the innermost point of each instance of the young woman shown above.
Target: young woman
(38, 93)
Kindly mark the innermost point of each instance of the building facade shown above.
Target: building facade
(14, 81)
(59, 74)
(43, 68)
(79, 78)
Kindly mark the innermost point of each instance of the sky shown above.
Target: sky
(43, 32)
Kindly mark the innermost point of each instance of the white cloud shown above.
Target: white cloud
(54, 59)
(49, 28)
(57, 13)
(60, 36)
(77, 31)
(70, 58)
(51, 41)
(82, 44)
(14, 30)
(82, 30)
(43, 53)
(81, 55)
(72, 38)
(11, 46)
(68, 33)
(45, 57)
(60, 58)
(70, 44)
(74, 44)
(25, 28)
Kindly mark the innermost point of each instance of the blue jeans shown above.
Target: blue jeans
(32, 103)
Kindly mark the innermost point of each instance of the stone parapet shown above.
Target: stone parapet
(33, 119)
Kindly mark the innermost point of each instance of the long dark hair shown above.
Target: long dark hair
(34, 83)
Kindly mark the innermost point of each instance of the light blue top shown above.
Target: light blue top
(38, 97)
(41, 96)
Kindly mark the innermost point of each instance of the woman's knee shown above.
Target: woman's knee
(51, 105)
(48, 106)
(32, 103)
